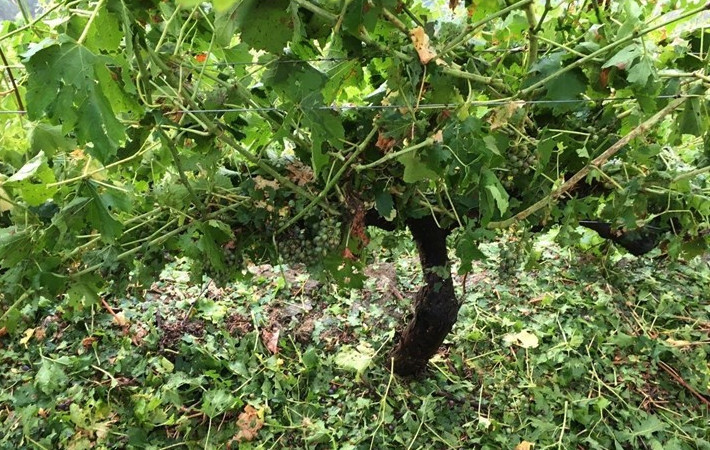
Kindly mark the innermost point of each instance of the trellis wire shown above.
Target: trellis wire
(426, 106)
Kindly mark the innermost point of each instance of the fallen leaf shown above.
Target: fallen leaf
(120, 320)
(438, 137)
(40, 333)
(355, 359)
(88, 341)
(271, 340)
(3, 331)
(137, 337)
(522, 339)
(422, 45)
(678, 343)
(525, 445)
(27, 336)
(249, 423)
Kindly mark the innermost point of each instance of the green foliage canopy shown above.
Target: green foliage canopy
(219, 131)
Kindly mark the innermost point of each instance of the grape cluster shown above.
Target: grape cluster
(520, 162)
(309, 242)
(510, 256)
(232, 262)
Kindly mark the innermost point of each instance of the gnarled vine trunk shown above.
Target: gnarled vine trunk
(435, 304)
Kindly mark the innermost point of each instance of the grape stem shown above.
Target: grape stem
(181, 173)
(425, 143)
(333, 181)
(594, 164)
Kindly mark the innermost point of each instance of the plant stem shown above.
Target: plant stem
(425, 143)
(691, 174)
(547, 9)
(360, 148)
(395, 21)
(316, 9)
(18, 98)
(100, 169)
(597, 162)
(156, 241)
(17, 302)
(37, 19)
(532, 36)
(181, 172)
(95, 13)
(493, 82)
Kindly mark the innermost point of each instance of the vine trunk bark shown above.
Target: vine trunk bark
(435, 304)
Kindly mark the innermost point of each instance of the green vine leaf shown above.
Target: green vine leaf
(266, 25)
(62, 87)
(100, 216)
(32, 180)
(415, 169)
(385, 206)
(51, 377)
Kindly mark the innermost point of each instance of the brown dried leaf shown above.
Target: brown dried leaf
(88, 341)
(77, 154)
(385, 143)
(261, 183)
(3, 331)
(40, 333)
(501, 115)
(438, 137)
(300, 173)
(271, 340)
(120, 320)
(140, 333)
(249, 423)
(422, 45)
(525, 445)
(347, 254)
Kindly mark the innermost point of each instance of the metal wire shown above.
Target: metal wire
(426, 106)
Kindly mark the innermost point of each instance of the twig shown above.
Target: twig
(547, 9)
(490, 81)
(218, 130)
(395, 21)
(12, 80)
(425, 143)
(532, 35)
(673, 374)
(110, 310)
(691, 174)
(316, 10)
(596, 163)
